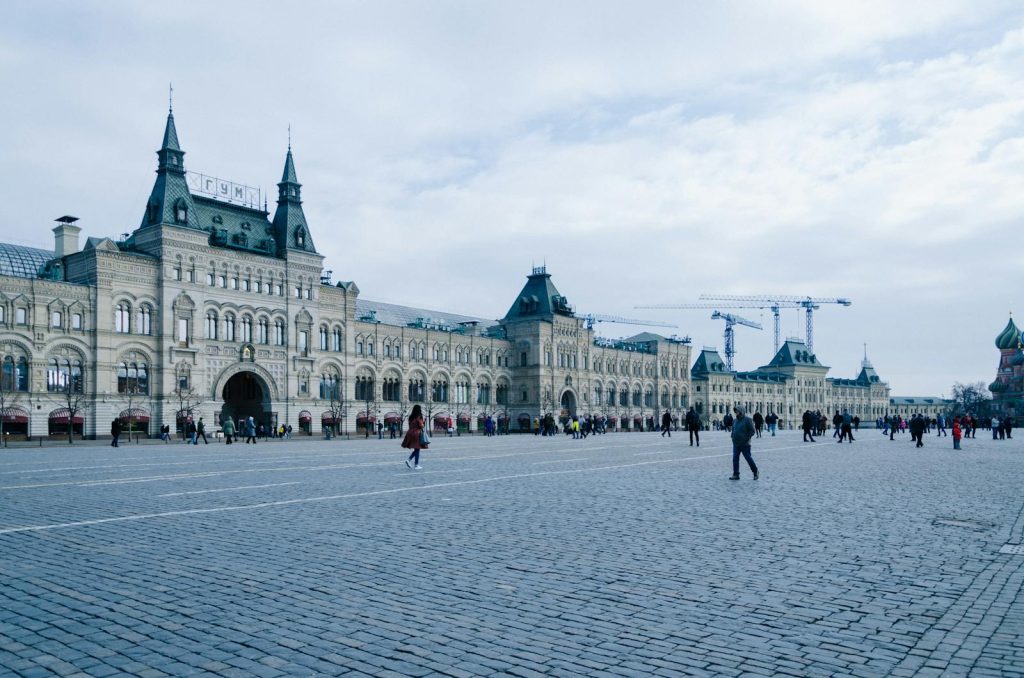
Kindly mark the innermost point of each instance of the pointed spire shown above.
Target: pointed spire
(289, 177)
(170, 142)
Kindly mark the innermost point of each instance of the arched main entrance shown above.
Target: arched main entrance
(568, 404)
(246, 395)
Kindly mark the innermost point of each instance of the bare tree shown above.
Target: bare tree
(188, 400)
(973, 399)
(336, 404)
(74, 397)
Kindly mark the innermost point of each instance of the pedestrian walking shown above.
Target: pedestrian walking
(229, 430)
(773, 421)
(956, 433)
(192, 433)
(742, 432)
(940, 425)
(758, 423)
(693, 426)
(201, 431)
(846, 422)
(666, 424)
(997, 428)
(250, 431)
(416, 437)
(917, 427)
(165, 433)
(807, 423)
(115, 432)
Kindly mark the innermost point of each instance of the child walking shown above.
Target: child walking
(956, 433)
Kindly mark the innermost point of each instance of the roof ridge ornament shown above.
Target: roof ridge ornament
(170, 98)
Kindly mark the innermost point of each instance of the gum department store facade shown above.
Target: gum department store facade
(212, 308)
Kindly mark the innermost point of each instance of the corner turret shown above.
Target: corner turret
(290, 230)
(170, 202)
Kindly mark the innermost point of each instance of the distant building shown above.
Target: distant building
(794, 381)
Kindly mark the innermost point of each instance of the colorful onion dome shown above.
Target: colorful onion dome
(1017, 359)
(1009, 337)
(998, 387)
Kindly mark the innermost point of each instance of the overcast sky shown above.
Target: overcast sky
(647, 152)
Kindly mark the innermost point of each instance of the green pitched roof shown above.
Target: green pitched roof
(794, 353)
(170, 193)
(539, 299)
(709, 361)
(290, 228)
(236, 226)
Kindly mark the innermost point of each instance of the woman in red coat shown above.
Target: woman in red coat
(956, 433)
(415, 438)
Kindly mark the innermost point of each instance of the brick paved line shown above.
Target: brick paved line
(955, 643)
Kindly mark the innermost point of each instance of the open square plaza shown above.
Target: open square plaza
(616, 555)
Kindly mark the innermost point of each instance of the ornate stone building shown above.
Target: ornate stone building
(212, 307)
(794, 381)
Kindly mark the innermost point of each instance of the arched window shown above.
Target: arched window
(56, 375)
(180, 212)
(229, 327)
(336, 340)
(364, 388)
(439, 391)
(143, 320)
(246, 329)
(133, 378)
(279, 333)
(330, 387)
(261, 333)
(417, 393)
(211, 324)
(122, 318)
(323, 338)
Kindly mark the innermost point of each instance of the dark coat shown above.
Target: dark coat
(115, 428)
(411, 440)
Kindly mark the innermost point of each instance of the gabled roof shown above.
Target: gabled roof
(709, 362)
(539, 299)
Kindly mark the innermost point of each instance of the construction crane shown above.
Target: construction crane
(777, 302)
(730, 322)
(773, 307)
(594, 318)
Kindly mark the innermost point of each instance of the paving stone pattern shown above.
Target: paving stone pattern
(619, 555)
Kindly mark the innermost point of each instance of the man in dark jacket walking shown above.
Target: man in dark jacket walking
(115, 432)
(917, 426)
(758, 423)
(806, 422)
(666, 424)
(742, 432)
(693, 426)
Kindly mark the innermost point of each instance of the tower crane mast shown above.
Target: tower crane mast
(730, 322)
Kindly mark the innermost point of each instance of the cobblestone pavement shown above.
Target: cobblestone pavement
(625, 554)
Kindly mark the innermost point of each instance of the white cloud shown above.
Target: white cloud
(650, 152)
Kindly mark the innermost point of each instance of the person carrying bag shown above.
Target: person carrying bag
(416, 437)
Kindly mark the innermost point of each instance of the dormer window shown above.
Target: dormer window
(154, 212)
(180, 212)
(300, 237)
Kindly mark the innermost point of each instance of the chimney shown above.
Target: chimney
(66, 236)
